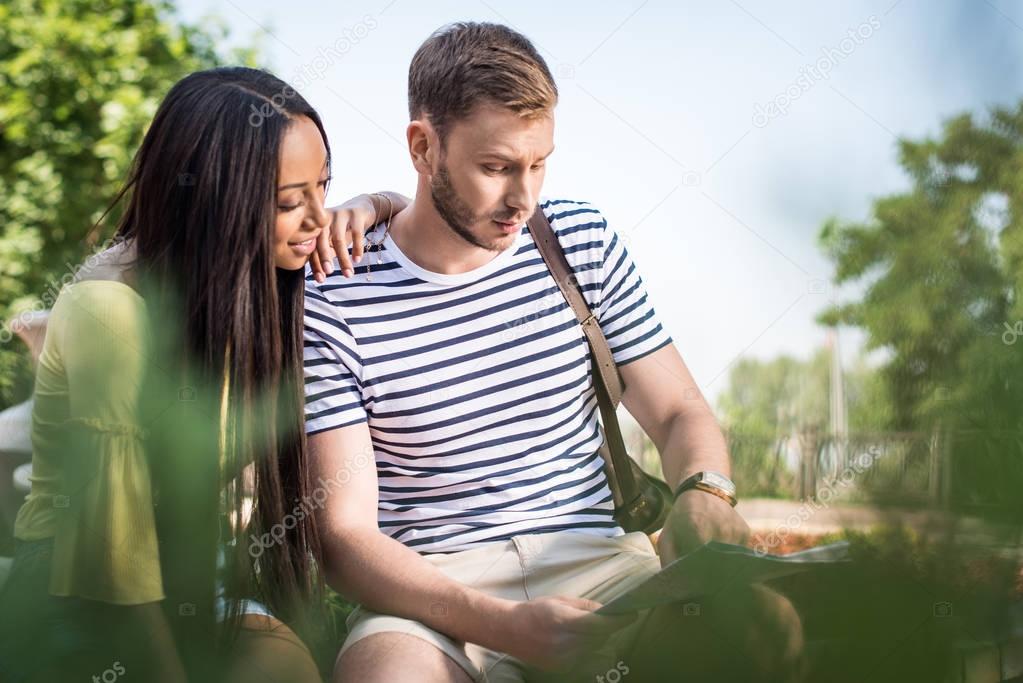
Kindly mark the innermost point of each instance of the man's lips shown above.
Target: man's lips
(509, 226)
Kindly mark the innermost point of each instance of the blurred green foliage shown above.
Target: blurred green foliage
(942, 266)
(907, 607)
(942, 269)
(939, 270)
(81, 79)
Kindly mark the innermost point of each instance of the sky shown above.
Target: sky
(715, 137)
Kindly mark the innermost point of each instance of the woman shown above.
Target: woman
(172, 367)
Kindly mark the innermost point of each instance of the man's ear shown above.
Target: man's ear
(422, 146)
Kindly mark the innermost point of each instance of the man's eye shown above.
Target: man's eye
(495, 169)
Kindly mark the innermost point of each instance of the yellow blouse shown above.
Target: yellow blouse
(91, 489)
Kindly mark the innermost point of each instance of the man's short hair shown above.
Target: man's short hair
(465, 64)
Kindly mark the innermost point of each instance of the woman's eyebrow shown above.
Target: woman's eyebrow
(293, 185)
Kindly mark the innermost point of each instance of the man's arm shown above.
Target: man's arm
(663, 397)
(379, 572)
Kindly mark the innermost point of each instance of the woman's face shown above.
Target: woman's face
(301, 191)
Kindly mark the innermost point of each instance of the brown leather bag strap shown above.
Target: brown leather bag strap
(550, 249)
(606, 380)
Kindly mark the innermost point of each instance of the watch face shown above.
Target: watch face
(719, 480)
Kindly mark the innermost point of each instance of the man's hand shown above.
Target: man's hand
(698, 517)
(552, 633)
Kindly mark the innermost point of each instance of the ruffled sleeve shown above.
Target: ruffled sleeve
(105, 545)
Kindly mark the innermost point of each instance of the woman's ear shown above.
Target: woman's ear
(422, 146)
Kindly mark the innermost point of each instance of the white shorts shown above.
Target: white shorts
(566, 563)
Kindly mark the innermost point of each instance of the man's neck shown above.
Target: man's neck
(427, 240)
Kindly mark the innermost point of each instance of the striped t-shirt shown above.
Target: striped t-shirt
(476, 387)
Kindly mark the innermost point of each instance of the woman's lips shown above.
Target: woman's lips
(304, 248)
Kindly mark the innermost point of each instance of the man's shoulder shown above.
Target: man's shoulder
(317, 294)
(576, 223)
(324, 304)
(570, 212)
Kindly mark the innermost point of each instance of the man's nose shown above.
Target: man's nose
(519, 196)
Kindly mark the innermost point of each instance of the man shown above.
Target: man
(483, 538)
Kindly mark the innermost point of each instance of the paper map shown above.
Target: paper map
(714, 565)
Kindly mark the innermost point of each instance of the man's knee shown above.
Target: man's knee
(774, 635)
(749, 633)
(393, 657)
(758, 632)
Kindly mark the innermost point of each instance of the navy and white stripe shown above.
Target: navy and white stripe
(476, 386)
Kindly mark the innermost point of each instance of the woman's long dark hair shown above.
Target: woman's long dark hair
(201, 212)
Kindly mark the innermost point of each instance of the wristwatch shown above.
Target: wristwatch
(713, 483)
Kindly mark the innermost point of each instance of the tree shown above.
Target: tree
(81, 81)
(942, 266)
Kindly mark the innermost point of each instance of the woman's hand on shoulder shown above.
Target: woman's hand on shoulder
(348, 226)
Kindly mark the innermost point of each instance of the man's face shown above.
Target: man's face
(489, 174)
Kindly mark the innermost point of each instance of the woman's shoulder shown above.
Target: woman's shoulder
(106, 298)
(97, 313)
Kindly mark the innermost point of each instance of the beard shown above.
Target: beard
(457, 213)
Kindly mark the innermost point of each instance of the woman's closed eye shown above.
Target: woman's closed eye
(285, 206)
